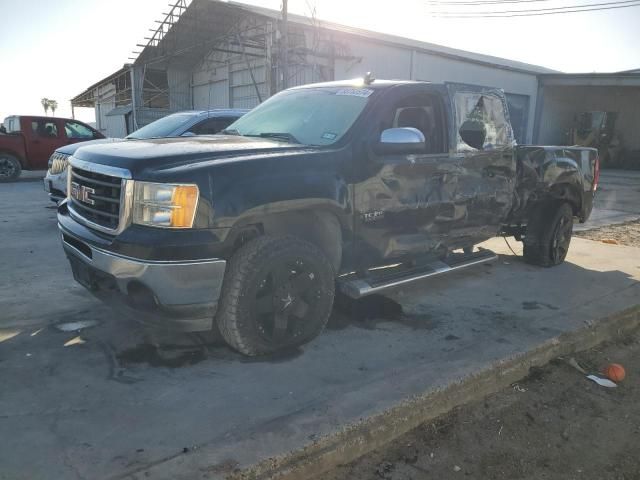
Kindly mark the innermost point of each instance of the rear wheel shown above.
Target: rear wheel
(548, 234)
(278, 293)
(10, 167)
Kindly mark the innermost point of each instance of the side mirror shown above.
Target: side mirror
(401, 140)
(188, 134)
(473, 133)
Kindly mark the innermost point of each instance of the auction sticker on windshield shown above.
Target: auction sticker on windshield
(355, 92)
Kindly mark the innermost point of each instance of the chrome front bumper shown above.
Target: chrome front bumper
(176, 294)
(56, 185)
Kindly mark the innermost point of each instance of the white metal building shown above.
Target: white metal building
(213, 54)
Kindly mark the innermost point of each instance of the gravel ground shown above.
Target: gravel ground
(623, 234)
(555, 424)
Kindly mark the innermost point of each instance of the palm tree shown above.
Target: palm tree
(45, 104)
(53, 105)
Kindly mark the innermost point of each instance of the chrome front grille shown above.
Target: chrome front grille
(58, 163)
(99, 196)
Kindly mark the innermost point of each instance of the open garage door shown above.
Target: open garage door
(595, 110)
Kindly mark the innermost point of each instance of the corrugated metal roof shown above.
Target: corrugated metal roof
(89, 90)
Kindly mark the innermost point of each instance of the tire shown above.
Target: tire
(548, 234)
(10, 167)
(277, 295)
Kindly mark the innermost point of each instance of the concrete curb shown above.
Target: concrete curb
(28, 180)
(31, 176)
(374, 432)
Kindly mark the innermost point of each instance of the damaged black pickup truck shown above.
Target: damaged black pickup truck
(359, 186)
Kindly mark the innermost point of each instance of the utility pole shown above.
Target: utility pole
(285, 46)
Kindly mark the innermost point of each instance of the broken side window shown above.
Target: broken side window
(482, 121)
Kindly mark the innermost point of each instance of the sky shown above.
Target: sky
(56, 49)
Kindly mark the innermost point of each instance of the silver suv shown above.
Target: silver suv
(201, 122)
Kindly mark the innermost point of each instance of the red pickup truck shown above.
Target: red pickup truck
(27, 142)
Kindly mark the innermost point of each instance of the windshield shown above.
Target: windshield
(310, 116)
(163, 127)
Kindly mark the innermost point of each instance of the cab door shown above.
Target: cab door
(44, 137)
(405, 201)
(484, 146)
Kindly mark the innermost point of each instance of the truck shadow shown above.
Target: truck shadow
(174, 350)
(375, 312)
(504, 303)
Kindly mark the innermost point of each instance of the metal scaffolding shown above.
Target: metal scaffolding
(198, 44)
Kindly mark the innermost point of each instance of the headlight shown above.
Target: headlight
(164, 205)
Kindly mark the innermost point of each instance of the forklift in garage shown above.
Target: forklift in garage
(597, 130)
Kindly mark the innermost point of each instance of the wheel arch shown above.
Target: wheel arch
(320, 226)
(15, 154)
(567, 192)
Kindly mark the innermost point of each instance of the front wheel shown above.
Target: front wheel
(277, 294)
(548, 234)
(10, 167)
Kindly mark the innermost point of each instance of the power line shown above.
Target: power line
(481, 2)
(538, 12)
(617, 2)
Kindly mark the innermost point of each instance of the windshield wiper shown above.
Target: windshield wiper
(279, 136)
(230, 131)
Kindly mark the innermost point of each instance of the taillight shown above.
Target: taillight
(596, 173)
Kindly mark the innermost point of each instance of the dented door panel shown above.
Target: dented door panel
(488, 174)
(487, 181)
(407, 206)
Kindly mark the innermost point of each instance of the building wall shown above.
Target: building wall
(116, 126)
(404, 63)
(222, 82)
(105, 102)
(384, 61)
(562, 103)
(179, 82)
(209, 83)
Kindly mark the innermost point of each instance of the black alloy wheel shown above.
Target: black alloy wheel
(10, 167)
(548, 234)
(277, 294)
(287, 295)
(561, 239)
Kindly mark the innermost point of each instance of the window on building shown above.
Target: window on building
(77, 130)
(44, 128)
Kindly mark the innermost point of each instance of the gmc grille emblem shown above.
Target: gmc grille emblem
(81, 193)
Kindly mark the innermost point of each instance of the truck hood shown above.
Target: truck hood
(71, 149)
(165, 153)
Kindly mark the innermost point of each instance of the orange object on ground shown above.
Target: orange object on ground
(610, 241)
(615, 372)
